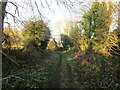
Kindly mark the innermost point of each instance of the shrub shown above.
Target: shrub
(36, 33)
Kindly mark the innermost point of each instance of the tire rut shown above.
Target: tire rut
(56, 79)
(70, 76)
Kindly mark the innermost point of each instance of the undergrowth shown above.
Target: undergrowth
(98, 71)
(33, 73)
(37, 71)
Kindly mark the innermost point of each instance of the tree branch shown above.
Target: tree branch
(10, 58)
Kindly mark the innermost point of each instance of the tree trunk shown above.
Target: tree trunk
(3, 4)
(2, 14)
(89, 50)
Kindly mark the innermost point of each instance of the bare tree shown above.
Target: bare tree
(70, 5)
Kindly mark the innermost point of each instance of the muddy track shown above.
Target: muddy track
(56, 79)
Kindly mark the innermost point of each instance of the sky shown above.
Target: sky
(55, 14)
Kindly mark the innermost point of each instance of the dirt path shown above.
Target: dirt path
(65, 75)
(56, 79)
